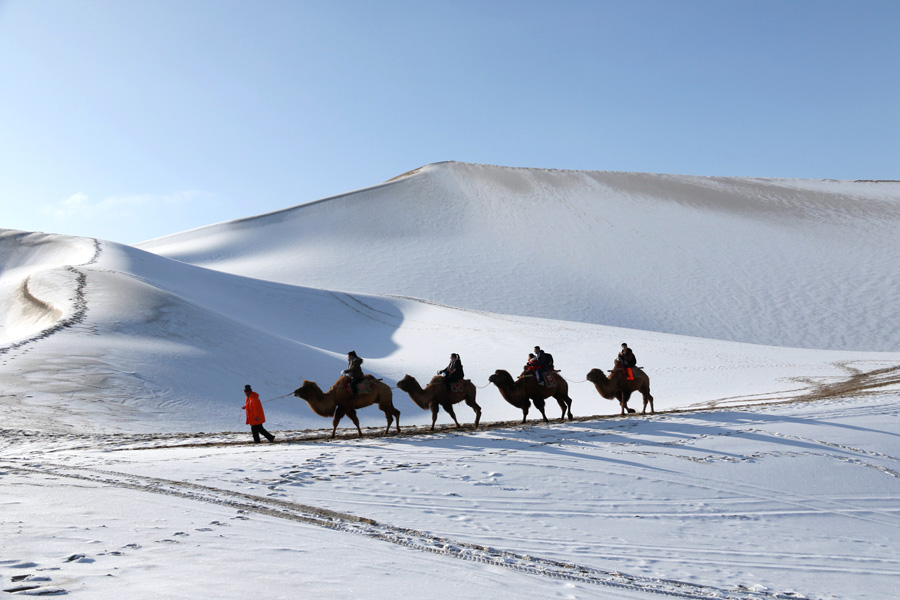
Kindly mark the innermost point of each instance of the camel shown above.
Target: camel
(617, 387)
(338, 401)
(435, 395)
(526, 388)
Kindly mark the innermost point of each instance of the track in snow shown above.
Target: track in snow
(413, 539)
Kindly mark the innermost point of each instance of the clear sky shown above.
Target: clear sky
(128, 120)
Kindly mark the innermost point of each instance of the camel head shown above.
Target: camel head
(596, 376)
(304, 390)
(407, 383)
(501, 377)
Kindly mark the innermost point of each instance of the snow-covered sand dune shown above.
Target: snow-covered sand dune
(114, 361)
(797, 263)
(122, 337)
(131, 341)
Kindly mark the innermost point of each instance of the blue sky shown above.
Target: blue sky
(129, 120)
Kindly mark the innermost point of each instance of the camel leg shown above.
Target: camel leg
(648, 398)
(396, 419)
(477, 410)
(434, 413)
(449, 408)
(338, 415)
(562, 405)
(525, 414)
(351, 412)
(390, 419)
(539, 404)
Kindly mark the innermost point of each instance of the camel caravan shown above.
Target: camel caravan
(538, 381)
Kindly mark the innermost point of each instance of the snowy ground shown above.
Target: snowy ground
(789, 501)
(764, 312)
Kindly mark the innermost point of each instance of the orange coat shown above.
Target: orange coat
(255, 414)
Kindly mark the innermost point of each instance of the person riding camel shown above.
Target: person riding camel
(628, 361)
(543, 362)
(531, 365)
(452, 372)
(353, 371)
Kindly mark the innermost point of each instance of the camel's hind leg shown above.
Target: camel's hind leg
(565, 403)
(390, 414)
(386, 404)
(477, 409)
(647, 399)
(396, 419)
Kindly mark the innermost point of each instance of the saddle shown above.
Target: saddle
(457, 387)
(549, 379)
(362, 388)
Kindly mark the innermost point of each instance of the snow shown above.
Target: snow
(763, 311)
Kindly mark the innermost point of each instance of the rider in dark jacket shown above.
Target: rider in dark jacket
(544, 362)
(453, 371)
(354, 371)
(627, 356)
(627, 360)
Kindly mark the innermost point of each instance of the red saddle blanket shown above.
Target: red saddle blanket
(362, 388)
(457, 387)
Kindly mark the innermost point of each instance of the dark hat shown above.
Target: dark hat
(247, 388)
(351, 353)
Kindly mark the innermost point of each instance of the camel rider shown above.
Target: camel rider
(627, 360)
(353, 371)
(531, 365)
(544, 362)
(453, 371)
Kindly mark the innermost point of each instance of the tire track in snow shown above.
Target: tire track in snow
(410, 538)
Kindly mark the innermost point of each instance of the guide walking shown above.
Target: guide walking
(255, 415)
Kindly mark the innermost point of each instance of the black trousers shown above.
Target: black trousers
(259, 429)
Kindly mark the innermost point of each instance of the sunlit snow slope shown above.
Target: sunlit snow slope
(483, 261)
(795, 263)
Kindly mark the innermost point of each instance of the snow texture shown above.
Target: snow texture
(764, 312)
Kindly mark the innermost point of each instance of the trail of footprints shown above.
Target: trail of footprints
(245, 504)
(29, 578)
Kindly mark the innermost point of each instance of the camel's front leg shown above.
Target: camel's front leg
(539, 404)
(338, 415)
(435, 407)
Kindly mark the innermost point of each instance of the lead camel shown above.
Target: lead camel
(339, 401)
